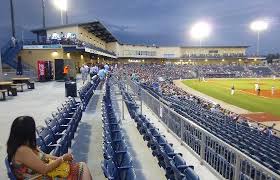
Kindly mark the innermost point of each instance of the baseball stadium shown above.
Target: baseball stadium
(106, 95)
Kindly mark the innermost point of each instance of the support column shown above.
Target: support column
(1, 70)
(12, 18)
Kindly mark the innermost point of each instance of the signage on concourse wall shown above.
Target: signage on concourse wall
(50, 46)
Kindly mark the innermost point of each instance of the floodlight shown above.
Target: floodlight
(259, 25)
(61, 4)
(200, 30)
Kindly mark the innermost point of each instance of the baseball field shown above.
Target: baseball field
(245, 95)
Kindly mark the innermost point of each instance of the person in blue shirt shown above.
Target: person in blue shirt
(102, 73)
(107, 68)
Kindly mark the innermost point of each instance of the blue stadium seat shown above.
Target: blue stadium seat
(9, 170)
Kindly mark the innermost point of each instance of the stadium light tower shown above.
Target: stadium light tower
(258, 26)
(43, 13)
(200, 31)
(12, 18)
(62, 6)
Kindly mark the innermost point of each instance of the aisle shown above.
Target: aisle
(145, 165)
(87, 146)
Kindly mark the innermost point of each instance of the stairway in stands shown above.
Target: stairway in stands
(9, 57)
(9, 53)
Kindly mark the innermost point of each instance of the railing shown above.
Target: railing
(12, 74)
(221, 158)
(67, 42)
(9, 55)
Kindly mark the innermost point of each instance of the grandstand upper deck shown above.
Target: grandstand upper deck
(95, 34)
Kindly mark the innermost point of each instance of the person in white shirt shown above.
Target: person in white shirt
(84, 72)
(272, 90)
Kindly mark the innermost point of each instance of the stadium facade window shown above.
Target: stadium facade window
(139, 53)
(213, 51)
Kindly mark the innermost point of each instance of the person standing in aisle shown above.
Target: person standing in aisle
(84, 72)
(101, 73)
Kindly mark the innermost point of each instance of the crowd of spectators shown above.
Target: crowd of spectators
(275, 67)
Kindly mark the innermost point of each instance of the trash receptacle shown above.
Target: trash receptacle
(70, 89)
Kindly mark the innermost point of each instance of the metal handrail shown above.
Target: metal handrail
(240, 155)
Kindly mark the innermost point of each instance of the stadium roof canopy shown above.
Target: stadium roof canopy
(215, 46)
(95, 28)
(156, 46)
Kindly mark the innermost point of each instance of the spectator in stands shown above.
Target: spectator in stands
(28, 162)
(106, 68)
(268, 131)
(93, 70)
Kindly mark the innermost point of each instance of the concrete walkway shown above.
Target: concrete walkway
(88, 143)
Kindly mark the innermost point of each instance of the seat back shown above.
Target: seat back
(9, 170)
(190, 174)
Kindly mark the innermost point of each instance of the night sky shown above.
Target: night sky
(160, 22)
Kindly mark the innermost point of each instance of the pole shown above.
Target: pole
(200, 42)
(141, 102)
(12, 18)
(43, 13)
(1, 71)
(258, 44)
(181, 71)
(122, 107)
(66, 17)
(61, 16)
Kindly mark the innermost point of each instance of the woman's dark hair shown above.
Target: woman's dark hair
(22, 133)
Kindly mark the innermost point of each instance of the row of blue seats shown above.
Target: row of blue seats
(257, 145)
(117, 164)
(175, 166)
(216, 120)
(56, 137)
(248, 140)
(86, 92)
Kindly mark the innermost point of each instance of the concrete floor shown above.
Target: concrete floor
(88, 142)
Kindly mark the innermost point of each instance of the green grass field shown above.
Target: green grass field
(220, 89)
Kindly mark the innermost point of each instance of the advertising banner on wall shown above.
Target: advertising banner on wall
(41, 69)
(51, 46)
